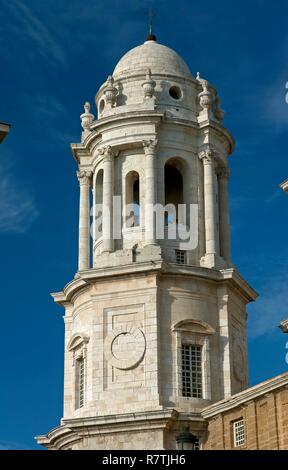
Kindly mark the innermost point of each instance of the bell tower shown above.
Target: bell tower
(155, 317)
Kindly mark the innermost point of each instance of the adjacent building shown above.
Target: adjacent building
(255, 419)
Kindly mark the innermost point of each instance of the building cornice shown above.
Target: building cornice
(247, 395)
(75, 429)
(205, 127)
(125, 119)
(73, 286)
(239, 282)
(221, 132)
(99, 127)
(137, 420)
(284, 186)
(284, 326)
(84, 278)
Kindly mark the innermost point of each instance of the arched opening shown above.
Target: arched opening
(98, 205)
(173, 193)
(132, 199)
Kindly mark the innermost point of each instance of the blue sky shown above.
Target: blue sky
(54, 56)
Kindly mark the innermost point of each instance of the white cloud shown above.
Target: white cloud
(269, 108)
(17, 206)
(25, 25)
(275, 104)
(270, 308)
(11, 445)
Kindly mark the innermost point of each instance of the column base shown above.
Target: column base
(108, 249)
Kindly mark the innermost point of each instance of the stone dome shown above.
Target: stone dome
(160, 59)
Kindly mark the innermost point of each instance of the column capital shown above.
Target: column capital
(107, 153)
(84, 177)
(149, 146)
(208, 155)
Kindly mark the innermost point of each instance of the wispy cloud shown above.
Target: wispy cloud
(25, 25)
(11, 445)
(49, 108)
(276, 103)
(271, 307)
(269, 106)
(17, 206)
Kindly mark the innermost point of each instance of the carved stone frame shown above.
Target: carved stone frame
(196, 333)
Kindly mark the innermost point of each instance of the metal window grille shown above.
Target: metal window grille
(192, 371)
(180, 257)
(81, 382)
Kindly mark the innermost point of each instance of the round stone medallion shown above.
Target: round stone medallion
(125, 348)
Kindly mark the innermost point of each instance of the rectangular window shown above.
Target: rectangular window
(180, 257)
(80, 382)
(239, 433)
(192, 371)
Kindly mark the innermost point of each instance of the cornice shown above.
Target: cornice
(222, 133)
(135, 420)
(137, 117)
(127, 116)
(84, 278)
(70, 288)
(284, 186)
(74, 429)
(239, 282)
(284, 326)
(58, 438)
(118, 120)
(79, 150)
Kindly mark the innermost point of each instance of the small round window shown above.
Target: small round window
(175, 92)
(101, 106)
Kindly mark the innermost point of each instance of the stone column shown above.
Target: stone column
(108, 192)
(208, 157)
(150, 190)
(224, 216)
(84, 220)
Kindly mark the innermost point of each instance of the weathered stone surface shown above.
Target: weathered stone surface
(264, 410)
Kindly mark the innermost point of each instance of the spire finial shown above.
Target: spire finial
(151, 36)
(150, 20)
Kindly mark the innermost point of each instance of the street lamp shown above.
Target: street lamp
(186, 440)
